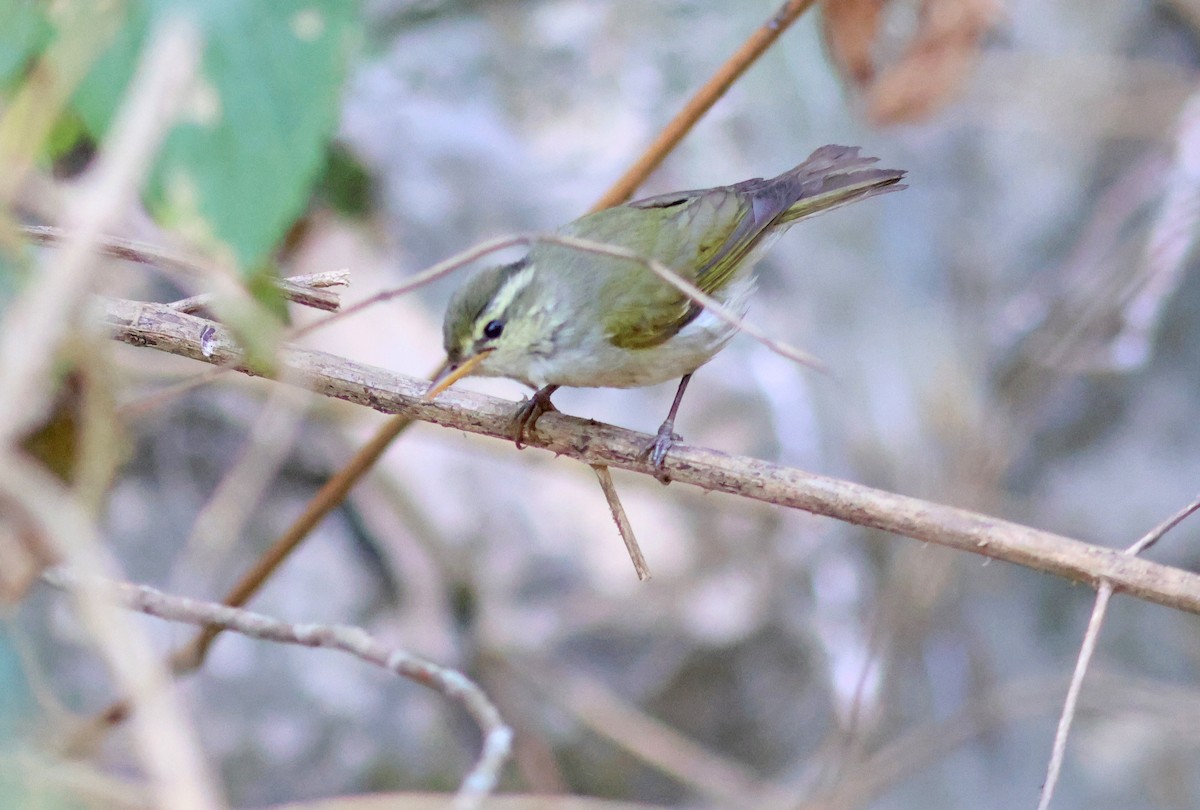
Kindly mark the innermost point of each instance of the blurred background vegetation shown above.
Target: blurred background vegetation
(1018, 333)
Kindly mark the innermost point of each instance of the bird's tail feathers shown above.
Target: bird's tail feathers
(832, 176)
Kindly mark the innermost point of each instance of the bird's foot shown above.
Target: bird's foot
(530, 411)
(656, 451)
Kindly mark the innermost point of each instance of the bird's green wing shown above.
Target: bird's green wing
(707, 236)
(695, 233)
(727, 223)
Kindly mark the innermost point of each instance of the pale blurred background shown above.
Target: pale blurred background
(1000, 337)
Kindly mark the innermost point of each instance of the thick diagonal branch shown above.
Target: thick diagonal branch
(159, 327)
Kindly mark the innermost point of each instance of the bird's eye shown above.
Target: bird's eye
(493, 329)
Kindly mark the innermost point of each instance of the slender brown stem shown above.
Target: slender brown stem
(325, 501)
(191, 656)
(702, 101)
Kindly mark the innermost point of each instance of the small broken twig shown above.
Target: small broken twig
(622, 521)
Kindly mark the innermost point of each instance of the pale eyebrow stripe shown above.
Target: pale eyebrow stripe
(508, 292)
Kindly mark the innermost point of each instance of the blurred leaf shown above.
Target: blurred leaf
(23, 32)
(266, 292)
(849, 28)
(345, 185)
(936, 65)
(255, 321)
(69, 137)
(240, 165)
(931, 70)
(55, 442)
(22, 558)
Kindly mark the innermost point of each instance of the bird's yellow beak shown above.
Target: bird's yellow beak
(449, 374)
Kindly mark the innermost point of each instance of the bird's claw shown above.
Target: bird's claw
(527, 415)
(656, 451)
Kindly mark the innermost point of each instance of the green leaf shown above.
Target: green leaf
(23, 32)
(263, 289)
(68, 135)
(240, 166)
(345, 184)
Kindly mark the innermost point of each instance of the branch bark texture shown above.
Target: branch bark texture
(160, 327)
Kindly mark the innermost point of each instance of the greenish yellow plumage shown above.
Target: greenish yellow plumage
(564, 316)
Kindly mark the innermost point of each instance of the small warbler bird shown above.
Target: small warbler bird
(567, 316)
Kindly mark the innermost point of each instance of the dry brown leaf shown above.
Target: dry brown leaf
(22, 555)
(929, 72)
(936, 65)
(849, 28)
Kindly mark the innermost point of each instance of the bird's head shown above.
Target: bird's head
(492, 327)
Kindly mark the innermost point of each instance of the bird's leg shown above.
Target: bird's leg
(657, 449)
(529, 412)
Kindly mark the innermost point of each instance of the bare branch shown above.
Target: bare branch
(1103, 594)
(622, 521)
(308, 291)
(118, 248)
(497, 736)
(1154, 535)
(593, 443)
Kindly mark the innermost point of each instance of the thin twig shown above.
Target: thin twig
(427, 276)
(144, 404)
(127, 249)
(622, 521)
(328, 497)
(693, 292)
(310, 290)
(596, 443)
(705, 97)
(1103, 593)
(1154, 535)
(483, 249)
(497, 737)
